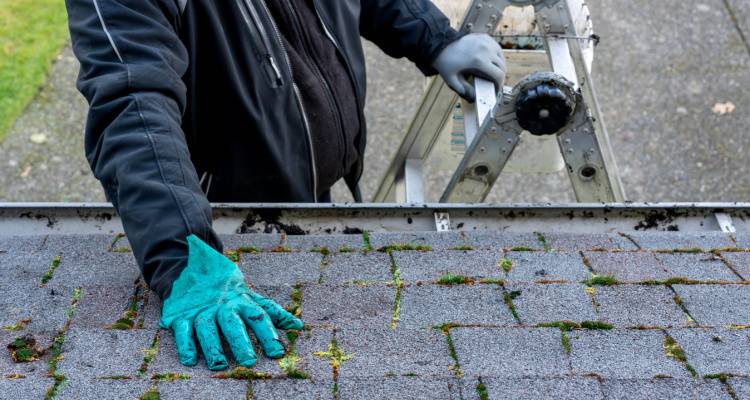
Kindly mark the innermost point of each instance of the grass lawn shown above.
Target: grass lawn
(32, 32)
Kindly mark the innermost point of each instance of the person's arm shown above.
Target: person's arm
(417, 29)
(132, 63)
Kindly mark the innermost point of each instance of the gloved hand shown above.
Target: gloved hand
(210, 294)
(473, 55)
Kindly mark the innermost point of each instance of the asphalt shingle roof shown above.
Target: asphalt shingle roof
(600, 316)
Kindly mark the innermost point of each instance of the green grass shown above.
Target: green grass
(32, 32)
(601, 280)
(453, 279)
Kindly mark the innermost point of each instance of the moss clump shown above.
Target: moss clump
(281, 249)
(288, 363)
(13, 377)
(567, 326)
(57, 348)
(346, 249)
(543, 241)
(722, 376)
(151, 394)
(462, 248)
(522, 248)
(692, 250)
(322, 250)
(492, 281)
(336, 356)
(566, 343)
(405, 247)
(482, 391)
(233, 255)
(170, 377)
(24, 349)
(122, 250)
(248, 250)
(453, 279)
(18, 326)
(601, 280)
(367, 244)
(674, 350)
(296, 307)
(679, 280)
(508, 297)
(51, 271)
(506, 265)
(149, 355)
(242, 373)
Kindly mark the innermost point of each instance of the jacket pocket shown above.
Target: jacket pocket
(261, 43)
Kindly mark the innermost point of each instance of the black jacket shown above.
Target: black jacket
(183, 89)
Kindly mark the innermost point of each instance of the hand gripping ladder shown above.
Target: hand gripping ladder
(561, 103)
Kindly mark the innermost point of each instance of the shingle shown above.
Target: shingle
(623, 354)
(432, 305)
(25, 389)
(292, 389)
(342, 305)
(627, 266)
(636, 305)
(333, 243)
(510, 352)
(430, 266)
(71, 245)
(494, 240)
(350, 267)
(274, 269)
(740, 262)
(664, 389)
(27, 267)
(543, 266)
(260, 241)
(742, 239)
(96, 353)
(592, 241)
(309, 343)
(100, 306)
(382, 352)
(716, 305)
(741, 386)
(535, 388)
(89, 269)
(681, 240)
(47, 307)
(436, 240)
(401, 388)
(15, 245)
(215, 389)
(715, 351)
(90, 388)
(555, 302)
(700, 267)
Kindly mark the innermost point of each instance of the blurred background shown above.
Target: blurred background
(672, 78)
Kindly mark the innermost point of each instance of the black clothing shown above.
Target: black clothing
(188, 96)
(327, 90)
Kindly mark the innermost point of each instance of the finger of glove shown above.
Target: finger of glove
(280, 317)
(235, 332)
(454, 83)
(208, 337)
(493, 73)
(260, 323)
(470, 93)
(183, 337)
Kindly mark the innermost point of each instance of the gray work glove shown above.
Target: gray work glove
(473, 55)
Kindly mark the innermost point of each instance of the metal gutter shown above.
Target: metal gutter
(81, 218)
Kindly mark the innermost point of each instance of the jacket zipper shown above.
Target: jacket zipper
(351, 77)
(297, 95)
(319, 74)
(265, 45)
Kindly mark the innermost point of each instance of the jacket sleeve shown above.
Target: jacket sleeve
(415, 29)
(132, 62)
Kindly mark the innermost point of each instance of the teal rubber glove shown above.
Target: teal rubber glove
(211, 294)
(476, 55)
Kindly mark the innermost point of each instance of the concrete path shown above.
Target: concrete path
(660, 70)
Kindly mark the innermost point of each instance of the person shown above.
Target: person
(194, 101)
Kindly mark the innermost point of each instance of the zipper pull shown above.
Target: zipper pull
(276, 70)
